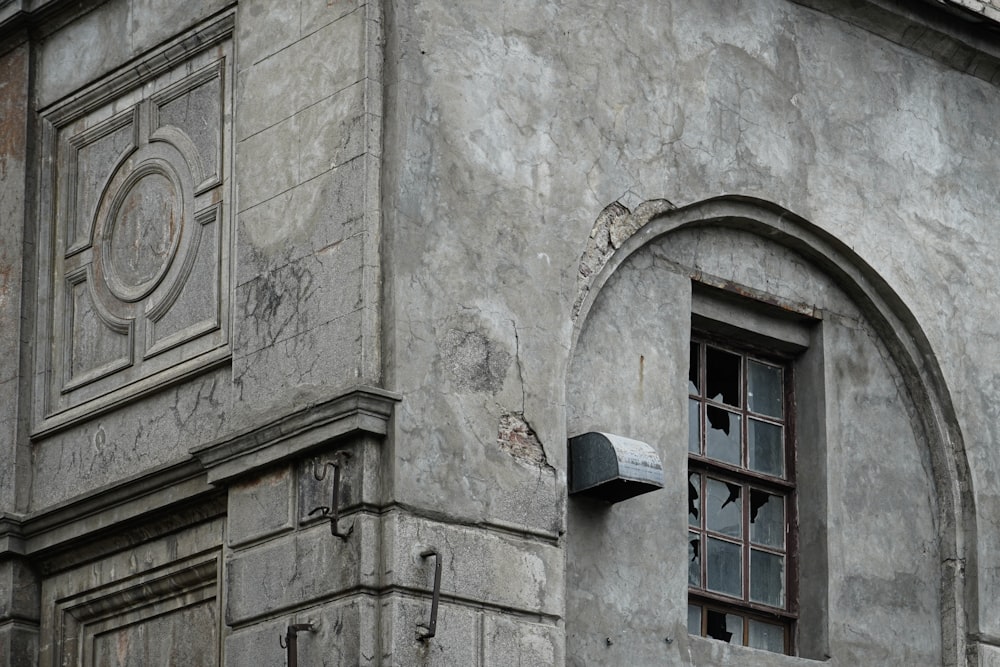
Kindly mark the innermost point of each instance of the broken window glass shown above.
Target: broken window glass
(765, 453)
(694, 499)
(764, 391)
(723, 435)
(727, 627)
(737, 509)
(724, 567)
(722, 376)
(694, 371)
(723, 508)
(767, 519)
(694, 559)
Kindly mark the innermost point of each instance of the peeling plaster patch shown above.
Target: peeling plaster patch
(517, 438)
(477, 362)
(615, 225)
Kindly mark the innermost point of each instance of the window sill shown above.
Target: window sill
(710, 652)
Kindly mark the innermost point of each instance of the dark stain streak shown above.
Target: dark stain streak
(273, 302)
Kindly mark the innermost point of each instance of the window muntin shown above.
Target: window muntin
(740, 498)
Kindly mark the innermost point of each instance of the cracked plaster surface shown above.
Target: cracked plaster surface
(510, 142)
(512, 125)
(130, 440)
(623, 379)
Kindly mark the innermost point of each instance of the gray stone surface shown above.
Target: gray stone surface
(181, 347)
(261, 507)
(988, 656)
(14, 70)
(514, 573)
(302, 142)
(18, 591)
(307, 566)
(133, 287)
(457, 642)
(19, 644)
(123, 29)
(768, 100)
(337, 638)
(133, 439)
(507, 641)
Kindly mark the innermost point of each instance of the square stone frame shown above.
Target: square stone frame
(177, 357)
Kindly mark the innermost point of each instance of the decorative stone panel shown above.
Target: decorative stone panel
(169, 615)
(135, 229)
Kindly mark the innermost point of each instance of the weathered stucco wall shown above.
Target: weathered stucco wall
(384, 254)
(511, 126)
(877, 506)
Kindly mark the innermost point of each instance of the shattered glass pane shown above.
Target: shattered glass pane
(722, 376)
(767, 519)
(722, 434)
(694, 499)
(694, 619)
(727, 627)
(767, 578)
(724, 508)
(724, 568)
(694, 426)
(694, 559)
(693, 370)
(766, 453)
(767, 636)
(764, 393)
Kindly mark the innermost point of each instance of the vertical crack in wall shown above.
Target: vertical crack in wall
(515, 435)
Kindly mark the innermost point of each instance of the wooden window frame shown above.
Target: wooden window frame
(748, 479)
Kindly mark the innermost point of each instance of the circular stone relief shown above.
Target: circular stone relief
(142, 233)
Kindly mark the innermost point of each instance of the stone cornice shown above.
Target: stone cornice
(40, 16)
(109, 507)
(150, 502)
(951, 31)
(363, 410)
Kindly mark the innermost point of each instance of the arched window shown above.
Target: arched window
(827, 510)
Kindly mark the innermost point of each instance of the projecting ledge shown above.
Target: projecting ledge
(363, 410)
(612, 468)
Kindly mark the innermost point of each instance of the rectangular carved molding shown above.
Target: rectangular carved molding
(134, 261)
(168, 612)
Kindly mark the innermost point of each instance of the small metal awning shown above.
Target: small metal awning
(612, 467)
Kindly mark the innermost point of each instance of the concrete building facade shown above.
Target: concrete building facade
(306, 305)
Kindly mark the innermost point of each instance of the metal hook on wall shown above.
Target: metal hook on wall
(333, 510)
(425, 632)
(290, 642)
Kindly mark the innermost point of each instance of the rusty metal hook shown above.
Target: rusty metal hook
(333, 510)
(425, 632)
